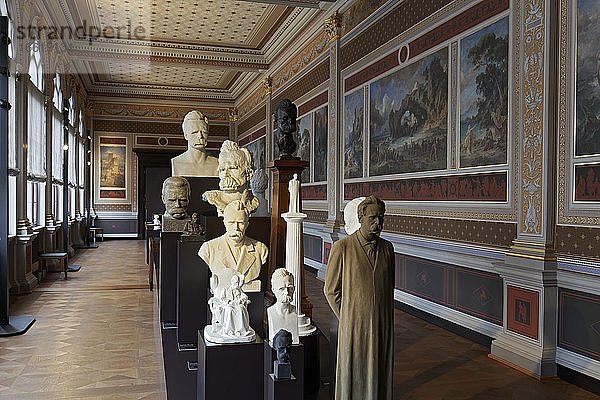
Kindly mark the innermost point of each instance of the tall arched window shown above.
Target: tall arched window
(36, 138)
(81, 163)
(72, 156)
(57, 148)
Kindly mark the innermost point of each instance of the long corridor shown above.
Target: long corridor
(96, 334)
(97, 337)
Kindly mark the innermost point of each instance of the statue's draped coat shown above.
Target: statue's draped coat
(361, 294)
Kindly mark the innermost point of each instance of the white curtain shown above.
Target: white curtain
(12, 133)
(57, 145)
(72, 157)
(36, 138)
(81, 163)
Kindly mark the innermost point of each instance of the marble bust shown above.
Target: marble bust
(351, 223)
(194, 161)
(235, 172)
(234, 251)
(229, 306)
(282, 314)
(285, 127)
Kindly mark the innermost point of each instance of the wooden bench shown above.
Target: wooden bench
(95, 231)
(44, 257)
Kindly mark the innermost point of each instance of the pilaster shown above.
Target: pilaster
(529, 271)
(48, 108)
(21, 82)
(334, 138)
(25, 282)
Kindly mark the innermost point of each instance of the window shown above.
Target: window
(12, 159)
(57, 149)
(36, 139)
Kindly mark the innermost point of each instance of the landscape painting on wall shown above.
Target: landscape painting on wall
(484, 96)
(587, 127)
(305, 127)
(409, 117)
(354, 108)
(257, 151)
(113, 158)
(320, 145)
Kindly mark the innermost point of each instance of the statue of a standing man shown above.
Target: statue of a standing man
(359, 287)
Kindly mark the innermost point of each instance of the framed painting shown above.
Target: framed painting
(408, 110)
(484, 96)
(113, 168)
(320, 145)
(303, 140)
(354, 110)
(587, 124)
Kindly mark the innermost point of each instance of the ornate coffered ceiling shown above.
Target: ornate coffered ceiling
(178, 49)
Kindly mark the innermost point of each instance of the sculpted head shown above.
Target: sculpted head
(370, 215)
(351, 223)
(235, 218)
(195, 130)
(282, 284)
(285, 117)
(282, 343)
(235, 167)
(176, 196)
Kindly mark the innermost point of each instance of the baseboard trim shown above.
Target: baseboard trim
(578, 379)
(460, 330)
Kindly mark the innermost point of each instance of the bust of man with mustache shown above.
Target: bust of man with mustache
(282, 314)
(176, 197)
(235, 171)
(194, 161)
(234, 252)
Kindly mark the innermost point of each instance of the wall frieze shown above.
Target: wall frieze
(155, 112)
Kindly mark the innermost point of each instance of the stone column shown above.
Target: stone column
(335, 125)
(21, 93)
(294, 259)
(233, 117)
(529, 337)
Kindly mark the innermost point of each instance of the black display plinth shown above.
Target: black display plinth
(192, 292)
(179, 380)
(297, 361)
(167, 294)
(311, 364)
(199, 185)
(256, 310)
(230, 371)
(283, 389)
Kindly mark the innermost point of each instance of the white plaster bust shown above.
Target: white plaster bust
(235, 172)
(195, 161)
(234, 250)
(282, 314)
(351, 223)
(229, 307)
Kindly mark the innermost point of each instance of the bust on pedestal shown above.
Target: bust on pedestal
(282, 314)
(194, 161)
(175, 197)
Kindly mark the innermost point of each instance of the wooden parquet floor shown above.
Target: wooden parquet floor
(96, 334)
(97, 337)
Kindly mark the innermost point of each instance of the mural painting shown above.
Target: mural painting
(587, 125)
(409, 117)
(491, 187)
(587, 182)
(113, 158)
(484, 96)
(320, 145)
(305, 126)
(354, 108)
(257, 151)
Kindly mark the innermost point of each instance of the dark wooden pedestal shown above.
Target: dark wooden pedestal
(297, 361)
(285, 389)
(230, 371)
(167, 295)
(192, 292)
(312, 364)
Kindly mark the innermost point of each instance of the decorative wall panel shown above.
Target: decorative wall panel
(312, 247)
(308, 82)
(578, 241)
(494, 234)
(314, 192)
(469, 291)
(579, 323)
(522, 314)
(254, 119)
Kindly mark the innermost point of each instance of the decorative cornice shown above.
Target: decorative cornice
(155, 111)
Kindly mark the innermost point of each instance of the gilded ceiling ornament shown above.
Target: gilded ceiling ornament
(333, 27)
(268, 85)
(233, 114)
